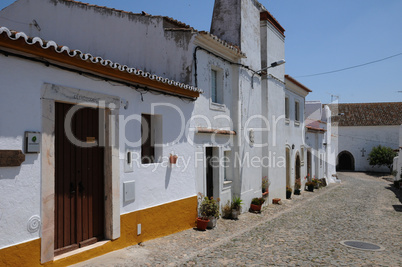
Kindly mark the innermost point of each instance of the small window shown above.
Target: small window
(287, 108)
(321, 156)
(216, 87)
(226, 166)
(151, 138)
(297, 111)
(302, 155)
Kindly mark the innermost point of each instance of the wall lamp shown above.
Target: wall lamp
(264, 70)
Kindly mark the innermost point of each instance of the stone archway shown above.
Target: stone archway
(345, 161)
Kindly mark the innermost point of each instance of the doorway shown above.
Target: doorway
(346, 162)
(297, 167)
(309, 174)
(79, 181)
(288, 166)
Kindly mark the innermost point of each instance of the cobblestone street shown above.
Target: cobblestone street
(304, 231)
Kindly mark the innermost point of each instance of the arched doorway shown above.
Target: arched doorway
(346, 161)
(297, 167)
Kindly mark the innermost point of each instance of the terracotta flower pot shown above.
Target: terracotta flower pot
(173, 159)
(255, 207)
(276, 200)
(202, 224)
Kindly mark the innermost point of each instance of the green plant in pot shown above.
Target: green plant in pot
(209, 209)
(297, 186)
(316, 183)
(256, 203)
(227, 210)
(288, 192)
(310, 186)
(265, 186)
(236, 207)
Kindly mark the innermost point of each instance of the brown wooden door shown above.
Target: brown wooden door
(79, 181)
(210, 172)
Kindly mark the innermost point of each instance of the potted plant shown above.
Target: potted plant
(227, 210)
(202, 223)
(236, 206)
(276, 200)
(256, 203)
(316, 183)
(288, 192)
(265, 186)
(297, 186)
(173, 159)
(310, 186)
(209, 209)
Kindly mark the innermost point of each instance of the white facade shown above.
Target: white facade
(295, 95)
(321, 149)
(398, 160)
(360, 140)
(238, 120)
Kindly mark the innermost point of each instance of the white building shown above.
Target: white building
(235, 117)
(357, 128)
(321, 149)
(296, 165)
(397, 166)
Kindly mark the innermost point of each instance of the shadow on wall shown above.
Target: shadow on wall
(9, 173)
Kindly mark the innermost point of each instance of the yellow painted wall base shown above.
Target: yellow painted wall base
(155, 222)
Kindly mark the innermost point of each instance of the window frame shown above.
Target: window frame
(287, 109)
(297, 112)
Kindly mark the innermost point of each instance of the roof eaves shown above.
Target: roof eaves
(234, 49)
(293, 80)
(265, 15)
(13, 41)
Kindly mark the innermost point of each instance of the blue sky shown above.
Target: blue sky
(321, 36)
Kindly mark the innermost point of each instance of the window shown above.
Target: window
(297, 111)
(151, 137)
(287, 108)
(226, 166)
(302, 155)
(216, 87)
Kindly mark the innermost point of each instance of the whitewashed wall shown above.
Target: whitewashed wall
(273, 91)
(20, 106)
(294, 135)
(130, 39)
(356, 138)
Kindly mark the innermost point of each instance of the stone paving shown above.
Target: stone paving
(304, 231)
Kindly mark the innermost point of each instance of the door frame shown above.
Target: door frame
(50, 94)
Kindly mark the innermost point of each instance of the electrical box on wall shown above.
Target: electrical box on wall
(32, 142)
(128, 160)
(129, 191)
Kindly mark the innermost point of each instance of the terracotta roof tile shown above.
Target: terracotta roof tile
(51, 45)
(367, 114)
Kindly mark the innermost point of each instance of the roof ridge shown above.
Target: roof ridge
(177, 22)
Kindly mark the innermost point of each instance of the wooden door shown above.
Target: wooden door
(79, 181)
(209, 172)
